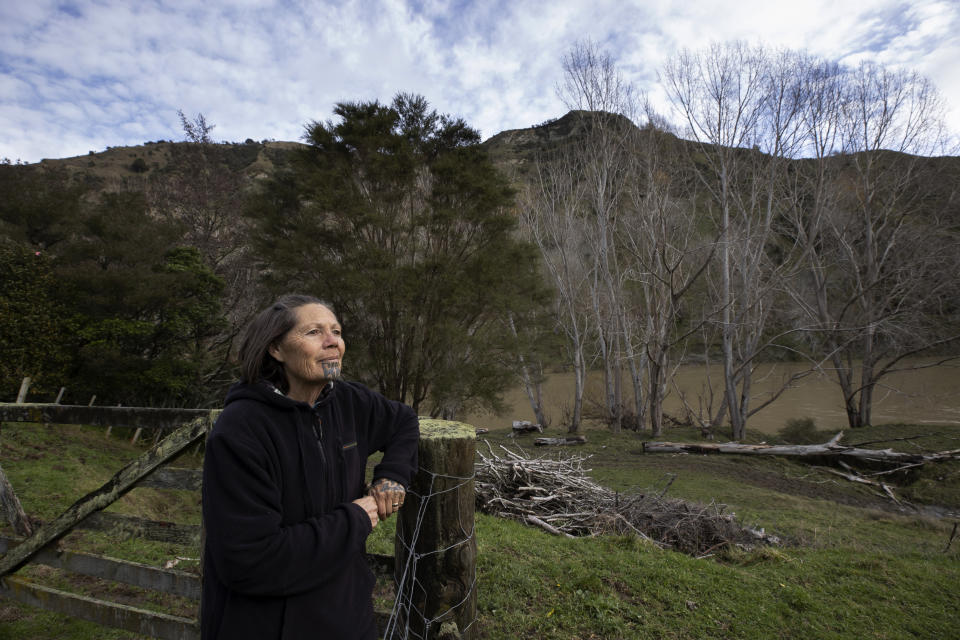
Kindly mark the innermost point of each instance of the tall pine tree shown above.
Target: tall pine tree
(396, 215)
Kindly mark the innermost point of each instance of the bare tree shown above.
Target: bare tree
(741, 105)
(591, 81)
(605, 103)
(530, 370)
(878, 266)
(203, 191)
(550, 214)
(668, 255)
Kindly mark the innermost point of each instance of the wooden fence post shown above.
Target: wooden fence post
(10, 504)
(435, 548)
(24, 388)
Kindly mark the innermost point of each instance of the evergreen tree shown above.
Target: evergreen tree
(143, 305)
(35, 330)
(396, 215)
(99, 296)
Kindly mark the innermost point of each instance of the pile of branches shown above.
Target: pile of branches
(559, 497)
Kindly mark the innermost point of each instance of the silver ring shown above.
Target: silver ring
(396, 504)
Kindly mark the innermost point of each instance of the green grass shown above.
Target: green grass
(852, 567)
(614, 587)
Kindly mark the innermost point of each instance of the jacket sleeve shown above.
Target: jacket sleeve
(251, 549)
(394, 429)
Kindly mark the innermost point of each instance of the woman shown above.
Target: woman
(283, 484)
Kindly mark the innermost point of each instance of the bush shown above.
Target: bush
(139, 166)
(800, 431)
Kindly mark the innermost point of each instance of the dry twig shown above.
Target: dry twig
(558, 496)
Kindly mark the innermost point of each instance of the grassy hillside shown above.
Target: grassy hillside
(114, 167)
(854, 565)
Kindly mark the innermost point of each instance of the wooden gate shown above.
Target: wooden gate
(86, 513)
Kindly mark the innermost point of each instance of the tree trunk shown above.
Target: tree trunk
(578, 380)
(828, 449)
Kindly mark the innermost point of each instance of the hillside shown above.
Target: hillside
(515, 149)
(121, 167)
(512, 151)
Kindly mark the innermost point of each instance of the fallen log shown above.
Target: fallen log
(830, 449)
(569, 440)
(525, 426)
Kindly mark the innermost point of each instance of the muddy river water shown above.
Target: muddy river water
(930, 395)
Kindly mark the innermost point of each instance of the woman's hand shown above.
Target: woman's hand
(389, 496)
(369, 505)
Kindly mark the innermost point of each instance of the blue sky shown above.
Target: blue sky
(86, 74)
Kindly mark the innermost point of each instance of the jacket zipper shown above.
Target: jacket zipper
(328, 487)
(318, 432)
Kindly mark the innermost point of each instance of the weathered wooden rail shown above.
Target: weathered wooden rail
(446, 447)
(87, 513)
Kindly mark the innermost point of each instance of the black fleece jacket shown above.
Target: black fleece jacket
(284, 551)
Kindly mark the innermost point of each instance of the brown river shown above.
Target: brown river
(930, 395)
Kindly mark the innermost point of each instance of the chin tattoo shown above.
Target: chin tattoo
(331, 370)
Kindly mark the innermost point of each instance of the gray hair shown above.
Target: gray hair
(265, 330)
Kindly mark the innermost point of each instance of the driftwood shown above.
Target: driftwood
(525, 426)
(569, 440)
(558, 497)
(830, 449)
(853, 476)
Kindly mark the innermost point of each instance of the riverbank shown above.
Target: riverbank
(922, 396)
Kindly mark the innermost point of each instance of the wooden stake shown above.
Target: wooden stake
(12, 507)
(24, 388)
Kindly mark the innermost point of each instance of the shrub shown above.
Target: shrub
(800, 431)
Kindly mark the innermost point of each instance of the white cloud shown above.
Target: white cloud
(110, 72)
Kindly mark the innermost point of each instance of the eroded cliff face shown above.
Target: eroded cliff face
(513, 150)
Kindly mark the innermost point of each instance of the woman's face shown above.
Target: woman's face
(311, 352)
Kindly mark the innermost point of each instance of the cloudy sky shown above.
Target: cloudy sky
(80, 75)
